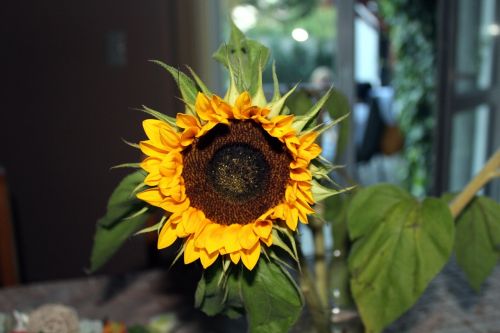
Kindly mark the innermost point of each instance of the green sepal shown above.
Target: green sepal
(160, 116)
(131, 144)
(279, 242)
(199, 82)
(123, 201)
(276, 85)
(277, 107)
(127, 165)
(246, 58)
(156, 227)
(401, 245)
(186, 85)
(307, 121)
(321, 192)
(477, 241)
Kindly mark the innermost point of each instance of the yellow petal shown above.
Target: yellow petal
(247, 237)
(250, 257)
(167, 235)
(187, 121)
(207, 259)
(269, 240)
(215, 240)
(191, 253)
(151, 196)
(231, 242)
(202, 238)
(235, 257)
(263, 228)
(149, 149)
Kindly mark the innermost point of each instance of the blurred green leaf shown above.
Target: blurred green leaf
(272, 299)
(477, 242)
(108, 240)
(401, 245)
(123, 201)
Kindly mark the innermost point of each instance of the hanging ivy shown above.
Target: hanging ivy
(412, 29)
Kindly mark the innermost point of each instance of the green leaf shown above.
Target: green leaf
(370, 205)
(246, 57)
(272, 299)
(218, 291)
(108, 240)
(477, 242)
(186, 85)
(402, 244)
(123, 202)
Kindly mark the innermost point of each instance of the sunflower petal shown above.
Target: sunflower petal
(251, 256)
(207, 259)
(247, 237)
(167, 235)
(191, 253)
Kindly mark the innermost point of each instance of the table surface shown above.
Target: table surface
(449, 305)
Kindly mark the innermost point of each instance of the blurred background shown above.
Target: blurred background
(421, 77)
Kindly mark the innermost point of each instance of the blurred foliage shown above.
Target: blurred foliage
(412, 29)
(295, 61)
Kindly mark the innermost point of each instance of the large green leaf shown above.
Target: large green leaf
(402, 244)
(477, 242)
(123, 201)
(370, 205)
(272, 299)
(218, 291)
(108, 240)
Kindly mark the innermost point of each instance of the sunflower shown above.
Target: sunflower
(228, 173)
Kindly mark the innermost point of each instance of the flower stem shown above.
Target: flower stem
(320, 269)
(308, 286)
(487, 173)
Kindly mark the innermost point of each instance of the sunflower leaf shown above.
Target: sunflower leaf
(109, 239)
(270, 309)
(400, 245)
(478, 236)
(122, 203)
(186, 85)
(213, 297)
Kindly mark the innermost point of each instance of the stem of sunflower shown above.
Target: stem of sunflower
(320, 267)
(487, 173)
(310, 292)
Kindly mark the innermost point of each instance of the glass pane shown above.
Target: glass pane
(300, 34)
(469, 145)
(476, 34)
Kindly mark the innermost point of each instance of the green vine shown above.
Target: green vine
(412, 31)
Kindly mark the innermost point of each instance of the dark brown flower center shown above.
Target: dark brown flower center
(236, 173)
